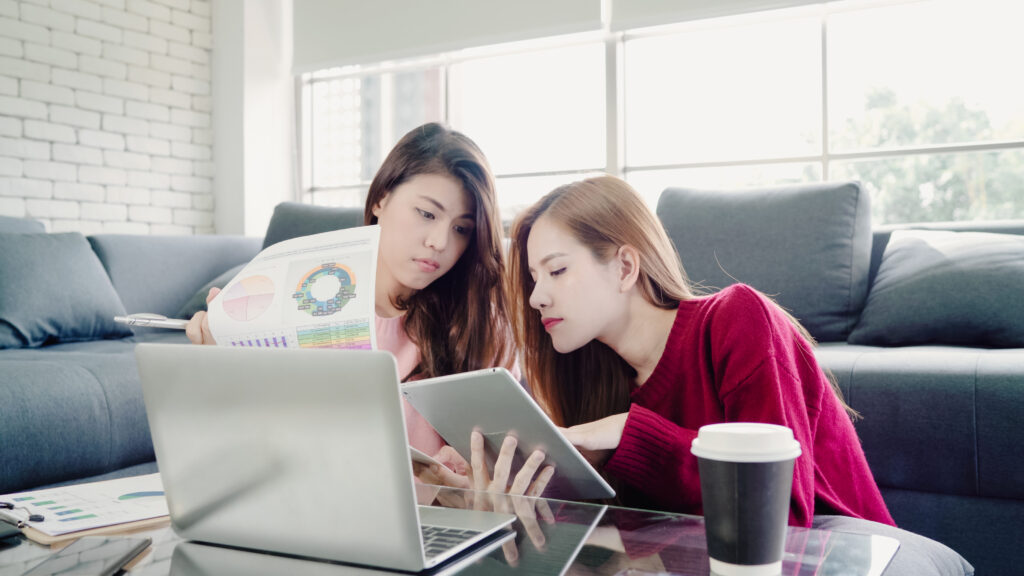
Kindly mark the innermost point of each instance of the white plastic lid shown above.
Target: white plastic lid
(745, 442)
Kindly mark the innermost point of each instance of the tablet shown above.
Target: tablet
(493, 402)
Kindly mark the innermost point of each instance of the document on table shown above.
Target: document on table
(93, 505)
(309, 292)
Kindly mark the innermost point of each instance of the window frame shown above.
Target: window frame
(615, 95)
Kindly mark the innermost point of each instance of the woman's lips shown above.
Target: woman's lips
(549, 323)
(427, 265)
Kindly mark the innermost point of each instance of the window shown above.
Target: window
(352, 121)
(926, 116)
(947, 82)
(724, 93)
(538, 111)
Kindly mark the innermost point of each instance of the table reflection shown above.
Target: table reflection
(548, 537)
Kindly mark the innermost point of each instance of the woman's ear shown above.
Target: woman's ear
(629, 267)
(379, 206)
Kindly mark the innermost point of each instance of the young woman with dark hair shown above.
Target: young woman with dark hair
(441, 303)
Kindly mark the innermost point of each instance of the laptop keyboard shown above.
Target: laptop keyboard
(438, 540)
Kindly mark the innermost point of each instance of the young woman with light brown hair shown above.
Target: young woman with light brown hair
(622, 353)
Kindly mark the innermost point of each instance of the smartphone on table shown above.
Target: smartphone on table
(92, 556)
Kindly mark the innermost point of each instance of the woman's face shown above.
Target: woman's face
(426, 224)
(577, 296)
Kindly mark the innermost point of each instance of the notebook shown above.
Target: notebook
(301, 452)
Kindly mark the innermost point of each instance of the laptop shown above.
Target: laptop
(300, 452)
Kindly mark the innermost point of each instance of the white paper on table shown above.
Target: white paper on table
(93, 505)
(309, 292)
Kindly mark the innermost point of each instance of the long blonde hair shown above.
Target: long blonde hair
(602, 213)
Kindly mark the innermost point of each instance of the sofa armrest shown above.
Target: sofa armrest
(160, 273)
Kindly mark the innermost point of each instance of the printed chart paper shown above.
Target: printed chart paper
(308, 292)
(94, 505)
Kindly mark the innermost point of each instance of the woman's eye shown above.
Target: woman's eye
(425, 214)
(462, 230)
(558, 272)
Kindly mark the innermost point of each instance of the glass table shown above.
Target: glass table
(550, 537)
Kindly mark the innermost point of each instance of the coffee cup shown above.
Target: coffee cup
(746, 481)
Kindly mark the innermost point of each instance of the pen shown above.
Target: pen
(11, 519)
(151, 321)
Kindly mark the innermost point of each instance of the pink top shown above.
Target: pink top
(735, 357)
(391, 336)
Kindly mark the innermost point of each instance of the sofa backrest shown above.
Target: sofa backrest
(160, 273)
(880, 236)
(292, 219)
(806, 246)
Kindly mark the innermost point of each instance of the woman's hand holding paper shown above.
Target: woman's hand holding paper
(198, 328)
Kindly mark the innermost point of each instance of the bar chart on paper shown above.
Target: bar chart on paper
(85, 506)
(269, 339)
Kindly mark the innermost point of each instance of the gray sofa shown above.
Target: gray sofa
(923, 330)
(70, 402)
(72, 408)
(73, 411)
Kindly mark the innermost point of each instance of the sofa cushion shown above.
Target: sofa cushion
(915, 396)
(880, 235)
(292, 219)
(159, 274)
(72, 414)
(53, 289)
(20, 225)
(808, 246)
(908, 399)
(130, 471)
(985, 531)
(198, 300)
(946, 287)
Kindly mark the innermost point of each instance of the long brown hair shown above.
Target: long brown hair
(459, 322)
(593, 381)
(602, 213)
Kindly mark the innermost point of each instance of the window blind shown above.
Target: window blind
(330, 33)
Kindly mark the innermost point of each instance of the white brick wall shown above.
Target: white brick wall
(105, 115)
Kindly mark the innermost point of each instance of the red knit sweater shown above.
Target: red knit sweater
(735, 357)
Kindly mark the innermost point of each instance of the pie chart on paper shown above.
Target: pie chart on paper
(249, 298)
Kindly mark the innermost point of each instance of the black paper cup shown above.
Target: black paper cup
(746, 480)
